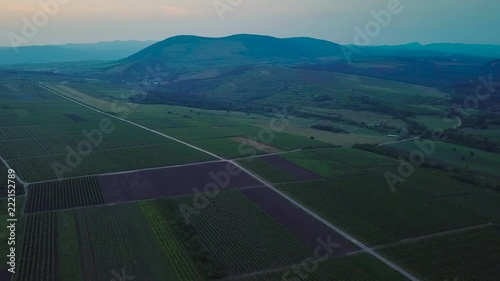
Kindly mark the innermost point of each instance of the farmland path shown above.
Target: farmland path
(129, 171)
(425, 237)
(394, 142)
(269, 154)
(364, 247)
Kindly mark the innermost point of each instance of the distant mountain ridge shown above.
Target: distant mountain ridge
(188, 47)
(481, 50)
(101, 51)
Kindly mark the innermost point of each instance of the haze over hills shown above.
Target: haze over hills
(101, 51)
(195, 51)
(482, 50)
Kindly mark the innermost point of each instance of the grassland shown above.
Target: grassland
(472, 255)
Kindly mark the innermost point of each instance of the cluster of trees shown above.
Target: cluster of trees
(191, 240)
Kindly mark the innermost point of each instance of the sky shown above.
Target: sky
(42, 22)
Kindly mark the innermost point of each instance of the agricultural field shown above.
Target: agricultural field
(174, 181)
(321, 165)
(267, 171)
(66, 194)
(121, 206)
(471, 255)
(485, 204)
(109, 237)
(374, 214)
(302, 225)
(39, 251)
(74, 141)
(232, 227)
(328, 163)
(361, 267)
(475, 160)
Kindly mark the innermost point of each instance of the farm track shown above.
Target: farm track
(155, 168)
(129, 171)
(430, 236)
(369, 250)
(394, 142)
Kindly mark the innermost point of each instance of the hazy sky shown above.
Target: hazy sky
(424, 21)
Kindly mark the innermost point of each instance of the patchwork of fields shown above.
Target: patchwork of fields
(154, 208)
(46, 137)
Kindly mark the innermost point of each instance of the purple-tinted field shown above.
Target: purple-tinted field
(5, 275)
(305, 227)
(174, 181)
(75, 118)
(293, 169)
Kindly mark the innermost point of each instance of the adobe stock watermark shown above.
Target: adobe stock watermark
(225, 6)
(426, 147)
(222, 179)
(363, 36)
(121, 276)
(310, 265)
(31, 26)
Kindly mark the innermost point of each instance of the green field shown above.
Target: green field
(472, 255)
(459, 156)
(232, 227)
(46, 137)
(361, 267)
(366, 207)
(67, 194)
(267, 171)
(127, 236)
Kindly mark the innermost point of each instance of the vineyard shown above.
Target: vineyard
(67, 194)
(122, 206)
(37, 136)
(321, 164)
(241, 237)
(130, 236)
(443, 258)
(108, 161)
(267, 171)
(162, 222)
(353, 268)
(374, 214)
(226, 147)
(38, 252)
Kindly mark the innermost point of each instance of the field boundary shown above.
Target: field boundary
(430, 236)
(269, 185)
